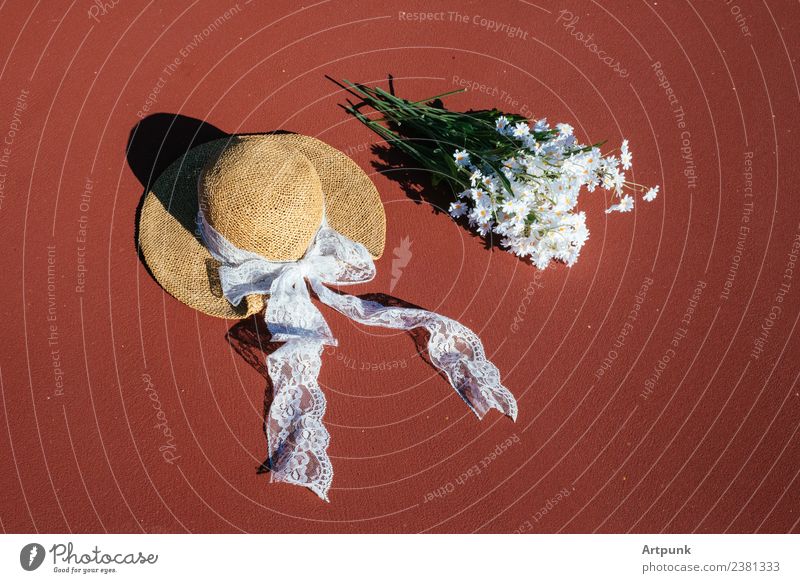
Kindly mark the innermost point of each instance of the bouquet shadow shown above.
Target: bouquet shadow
(418, 185)
(420, 180)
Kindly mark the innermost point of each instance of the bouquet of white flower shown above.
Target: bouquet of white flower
(514, 179)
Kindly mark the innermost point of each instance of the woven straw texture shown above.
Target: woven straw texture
(264, 197)
(265, 194)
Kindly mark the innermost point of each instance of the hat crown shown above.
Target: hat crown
(264, 197)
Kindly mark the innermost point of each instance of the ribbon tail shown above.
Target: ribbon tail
(453, 348)
(290, 314)
(297, 439)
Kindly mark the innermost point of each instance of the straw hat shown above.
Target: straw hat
(265, 194)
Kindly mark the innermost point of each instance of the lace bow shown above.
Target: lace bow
(297, 438)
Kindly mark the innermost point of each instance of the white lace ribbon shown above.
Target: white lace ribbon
(297, 438)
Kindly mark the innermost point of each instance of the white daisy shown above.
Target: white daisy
(458, 209)
(480, 197)
(502, 124)
(521, 130)
(651, 194)
(481, 215)
(625, 205)
(626, 157)
(619, 181)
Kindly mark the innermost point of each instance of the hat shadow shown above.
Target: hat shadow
(154, 143)
(161, 138)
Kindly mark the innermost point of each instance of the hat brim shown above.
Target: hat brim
(180, 263)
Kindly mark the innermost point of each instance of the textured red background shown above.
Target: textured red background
(714, 448)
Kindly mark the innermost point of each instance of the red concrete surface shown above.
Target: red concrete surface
(91, 356)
